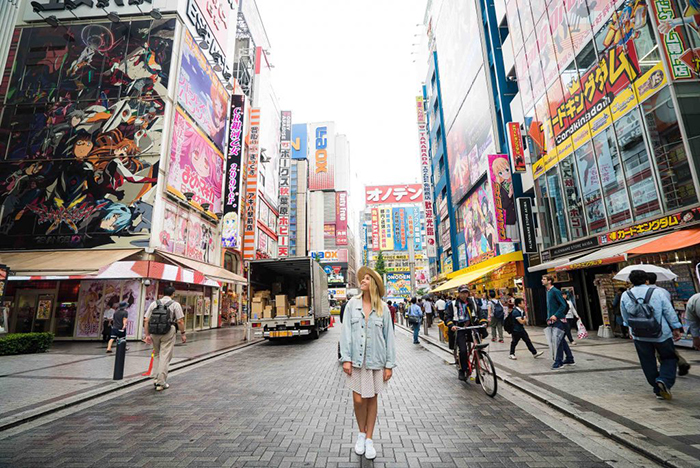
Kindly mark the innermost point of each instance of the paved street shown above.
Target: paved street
(287, 405)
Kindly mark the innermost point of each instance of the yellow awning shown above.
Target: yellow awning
(479, 270)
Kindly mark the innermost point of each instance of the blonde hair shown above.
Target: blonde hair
(498, 165)
(375, 298)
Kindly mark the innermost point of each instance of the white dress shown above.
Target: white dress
(366, 382)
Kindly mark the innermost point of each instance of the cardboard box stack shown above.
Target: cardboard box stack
(261, 300)
(302, 306)
(282, 303)
(269, 312)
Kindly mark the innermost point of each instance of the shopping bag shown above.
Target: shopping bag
(582, 332)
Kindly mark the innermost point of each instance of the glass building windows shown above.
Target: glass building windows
(556, 200)
(546, 219)
(670, 158)
(612, 178)
(635, 159)
(572, 194)
(590, 188)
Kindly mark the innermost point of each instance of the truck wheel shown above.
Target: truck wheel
(314, 333)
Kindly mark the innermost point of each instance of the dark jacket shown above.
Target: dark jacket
(556, 305)
(451, 308)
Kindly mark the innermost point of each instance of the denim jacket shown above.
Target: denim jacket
(381, 347)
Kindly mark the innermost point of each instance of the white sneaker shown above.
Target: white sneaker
(512, 356)
(539, 353)
(370, 452)
(360, 444)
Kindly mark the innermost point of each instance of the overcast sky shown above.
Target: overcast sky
(350, 61)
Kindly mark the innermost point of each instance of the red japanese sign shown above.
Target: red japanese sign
(684, 61)
(515, 146)
(650, 227)
(393, 194)
(251, 191)
(375, 229)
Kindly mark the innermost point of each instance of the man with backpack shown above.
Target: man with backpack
(515, 325)
(159, 328)
(496, 317)
(654, 326)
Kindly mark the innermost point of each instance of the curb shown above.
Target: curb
(654, 455)
(33, 414)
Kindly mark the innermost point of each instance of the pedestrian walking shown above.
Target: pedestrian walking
(692, 318)
(519, 332)
(440, 306)
(107, 318)
(414, 317)
(571, 317)
(556, 311)
(496, 315)
(484, 305)
(392, 309)
(428, 309)
(683, 364)
(159, 327)
(654, 326)
(119, 320)
(368, 353)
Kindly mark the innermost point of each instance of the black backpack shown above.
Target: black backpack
(159, 322)
(497, 310)
(509, 324)
(641, 317)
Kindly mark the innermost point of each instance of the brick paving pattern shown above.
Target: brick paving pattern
(287, 405)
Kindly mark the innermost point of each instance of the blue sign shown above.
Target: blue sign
(299, 141)
(401, 233)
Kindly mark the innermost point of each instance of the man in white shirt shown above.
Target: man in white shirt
(440, 305)
(428, 309)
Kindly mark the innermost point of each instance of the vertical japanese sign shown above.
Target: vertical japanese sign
(300, 138)
(285, 170)
(386, 234)
(234, 153)
(341, 218)
(414, 228)
(322, 157)
(375, 229)
(527, 225)
(515, 147)
(425, 173)
(401, 236)
(683, 59)
(503, 202)
(251, 188)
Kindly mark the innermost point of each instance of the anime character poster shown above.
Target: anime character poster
(230, 235)
(470, 140)
(201, 93)
(131, 294)
(87, 320)
(187, 234)
(479, 221)
(83, 120)
(682, 45)
(503, 202)
(196, 166)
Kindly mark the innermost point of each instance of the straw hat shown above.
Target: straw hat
(365, 270)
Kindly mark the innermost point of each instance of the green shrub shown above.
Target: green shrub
(25, 343)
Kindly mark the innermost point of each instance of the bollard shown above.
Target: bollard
(119, 359)
(425, 326)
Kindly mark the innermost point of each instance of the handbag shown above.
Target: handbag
(582, 332)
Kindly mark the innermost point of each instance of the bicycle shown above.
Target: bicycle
(478, 360)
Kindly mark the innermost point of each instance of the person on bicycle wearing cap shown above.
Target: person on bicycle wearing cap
(462, 313)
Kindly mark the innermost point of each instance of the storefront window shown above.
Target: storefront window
(612, 178)
(556, 199)
(675, 178)
(545, 220)
(572, 192)
(635, 158)
(590, 187)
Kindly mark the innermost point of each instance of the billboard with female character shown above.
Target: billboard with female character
(196, 165)
(503, 201)
(83, 121)
(201, 93)
(480, 234)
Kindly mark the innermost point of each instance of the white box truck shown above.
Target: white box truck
(287, 297)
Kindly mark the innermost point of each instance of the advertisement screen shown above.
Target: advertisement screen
(201, 93)
(470, 140)
(196, 165)
(322, 156)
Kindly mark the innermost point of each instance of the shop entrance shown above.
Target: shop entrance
(33, 310)
(197, 309)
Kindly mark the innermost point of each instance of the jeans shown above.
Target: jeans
(569, 323)
(416, 330)
(521, 335)
(563, 347)
(666, 372)
(497, 325)
(463, 338)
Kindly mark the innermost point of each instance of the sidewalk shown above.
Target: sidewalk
(72, 371)
(608, 392)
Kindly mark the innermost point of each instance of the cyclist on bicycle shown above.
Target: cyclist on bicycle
(462, 313)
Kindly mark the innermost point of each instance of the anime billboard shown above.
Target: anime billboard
(196, 166)
(684, 59)
(83, 125)
(186, 233)
(201, 93)
(470, 140)
(502, 187)
(480, 233)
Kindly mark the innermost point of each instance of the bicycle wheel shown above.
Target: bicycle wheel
(487, 374)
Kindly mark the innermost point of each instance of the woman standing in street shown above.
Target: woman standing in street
(571, 317)
(368, 353)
